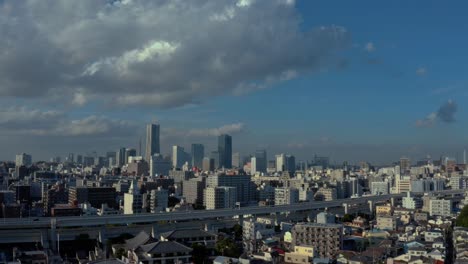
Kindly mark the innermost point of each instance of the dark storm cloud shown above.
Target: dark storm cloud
(158, 53)
(445, 113)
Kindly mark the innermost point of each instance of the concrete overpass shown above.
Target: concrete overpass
(86, 221)
(45, 229)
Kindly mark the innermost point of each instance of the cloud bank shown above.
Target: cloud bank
(34, 122)
(155, 53)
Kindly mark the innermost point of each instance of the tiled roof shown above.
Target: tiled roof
(140, 239)
(185, 233)
(162, 247)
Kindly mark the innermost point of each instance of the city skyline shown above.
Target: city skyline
(304, 77)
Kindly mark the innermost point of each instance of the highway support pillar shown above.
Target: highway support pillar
(154, 227)
(371, 206)
(104, 240)
(45, 239)
(241, 220)
(277, 214)
(53, 234)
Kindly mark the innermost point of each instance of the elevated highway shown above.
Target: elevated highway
(45, 229)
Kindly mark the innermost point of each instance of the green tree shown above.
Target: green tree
(237, 231)
(199, 253)
(227, 247)
(462, 219)
(120, 253)
(348, 218)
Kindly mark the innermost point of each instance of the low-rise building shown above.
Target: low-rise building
(300, 255)
(326, 239)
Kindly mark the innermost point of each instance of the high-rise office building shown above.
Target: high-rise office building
(284, 195)
(198, 152)
(130, 152)
(193, 190)
(208, 164)
(133, 203)
(245, 187)
(152, 140)
(225, 151)
(220, 197)
(158, 200)
(216, 157)
(96, 196)
(405, 165)
(88, 161)
(79, 159)
(290, 163)
(253, 166)
(159, 165)
(71, 157)
(280, 162)
(261, 160)
(23, 159)
(236, 160)
(120, 157)
(179, 157)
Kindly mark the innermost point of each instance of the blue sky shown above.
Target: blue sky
(360, 99)
(369, 103)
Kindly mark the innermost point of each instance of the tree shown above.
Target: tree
(120, 253)
(237, 231)
(199, 253)
(227, 247)
(347, 218)
(462, 219)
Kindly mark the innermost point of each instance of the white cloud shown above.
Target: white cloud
(93, 125)
(428, 121)
(421, 71)
(369, 47)
(155, 53)
(159, 50)
(13, 118)
(36, 122)
(213, 132)
(79, 99)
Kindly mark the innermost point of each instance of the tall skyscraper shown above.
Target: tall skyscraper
(290, 163)
(130, 152)
(236, 160)
(159, 165)
(71, 157)
(23, 159)
(120, 157)
(208, 164)
(152, 140)
(261, 160)
(216, 157)
(405, 165)
(198, 152)
(280, 162)
(225, 151)
(179, 157)
(464, 156)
